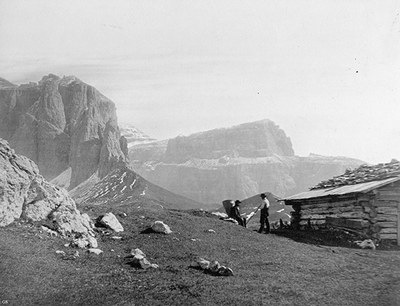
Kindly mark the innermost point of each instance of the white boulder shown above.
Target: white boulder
(161, 227)
(110, 220)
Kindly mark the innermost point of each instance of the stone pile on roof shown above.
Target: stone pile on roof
(362, 174)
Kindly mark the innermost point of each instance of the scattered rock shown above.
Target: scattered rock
(211, 231)
(214, 268)
(80, 243)
(60, 252)
(161, 227)
(122, 215)
(110, 221)
(137, 252)
(116, 237)
(95, 251)
(49, 231)
(92, 242)
(366, 244)
(66, 245)
(139, 260)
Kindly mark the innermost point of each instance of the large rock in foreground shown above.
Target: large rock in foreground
(25, 194)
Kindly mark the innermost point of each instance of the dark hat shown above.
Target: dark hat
(263, 195)
(237, 202)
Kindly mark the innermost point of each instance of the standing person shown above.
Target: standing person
(264, 222)
(235, 213)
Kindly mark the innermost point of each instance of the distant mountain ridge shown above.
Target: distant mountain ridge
(233, 163)
(134, 136)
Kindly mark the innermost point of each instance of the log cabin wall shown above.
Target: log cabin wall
(373, 215)
(387, 206)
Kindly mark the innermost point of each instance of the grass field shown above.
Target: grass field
(268, 269)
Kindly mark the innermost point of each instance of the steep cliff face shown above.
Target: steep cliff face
(233, 163)
(256, 139)
(63, 125)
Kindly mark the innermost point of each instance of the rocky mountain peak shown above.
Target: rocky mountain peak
(64, 125)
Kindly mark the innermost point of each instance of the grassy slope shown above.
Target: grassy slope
(269, 269)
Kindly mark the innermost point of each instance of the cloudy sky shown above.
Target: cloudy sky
(327, 72)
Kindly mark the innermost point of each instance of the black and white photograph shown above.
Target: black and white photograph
(200, 152)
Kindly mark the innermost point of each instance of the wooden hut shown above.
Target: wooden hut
(365, 200)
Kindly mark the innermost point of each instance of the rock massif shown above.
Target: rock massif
(233, 163)
(68, 128)
(25, 194)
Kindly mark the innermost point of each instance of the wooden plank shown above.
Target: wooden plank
(386, 218)
(389, 230)
(386, 210)
(384, 203)
(333, 210)
(398, 224)
(388, 236)
(390, 197)
(349, 223)
(387, 224)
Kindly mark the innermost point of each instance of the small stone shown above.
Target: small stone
(211, 231)
(214, 266)
(161, 227)
(80, 243)
(116, 237)
(66, 245)
(95, 251)
(137, 252)
(204, 264)
(224, 271)
(60, 252)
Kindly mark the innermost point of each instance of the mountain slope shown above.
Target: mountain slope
(123, 186)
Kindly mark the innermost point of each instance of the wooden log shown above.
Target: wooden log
(384, 236)
(387, 210)
(332, 210)
(386, 218)
(348, 223)
(389, 230)
(387, 224)
(390, 197)
(384, 203)
(311, 222)
(330, 205)
(346, 215)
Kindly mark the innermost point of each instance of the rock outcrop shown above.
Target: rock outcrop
(26, 195)
(234, 163)
(68, 128)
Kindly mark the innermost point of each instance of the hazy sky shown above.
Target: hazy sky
(327, 72)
